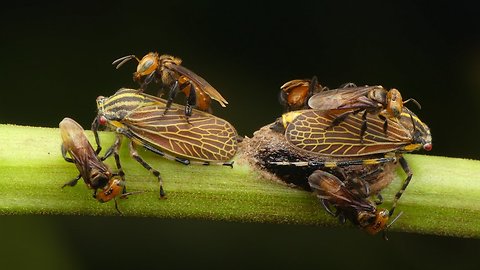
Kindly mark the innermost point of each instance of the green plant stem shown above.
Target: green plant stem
(443, 197)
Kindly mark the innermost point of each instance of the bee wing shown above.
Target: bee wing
(204, 137)
(342, 98)
(311, 131)
(294, 83)
(77, 145)
(329, 187)
(199, 82)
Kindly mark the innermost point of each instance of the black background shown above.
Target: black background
(56, 59)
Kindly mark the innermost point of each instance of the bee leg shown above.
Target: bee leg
(94, 128)
(72, 182)
(378, 199)
(171, 95)
(385, 123)
(365, 187)
(146, 82)
(64, 155)
(191, 101)
(409, 173)
(311, 90)
(114, 150)
(282, 99)
(139, 159)
(314, 180)
(339, 119)
(362, 178)
(326, 205)
(364, 126)
(348, 85)
(117, 144)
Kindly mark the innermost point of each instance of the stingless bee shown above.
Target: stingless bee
(168, 70)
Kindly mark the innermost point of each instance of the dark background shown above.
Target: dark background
(56, 60)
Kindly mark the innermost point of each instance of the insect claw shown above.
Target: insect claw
(162, 193)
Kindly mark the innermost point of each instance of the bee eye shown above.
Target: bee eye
(98, 180)
(144, 65)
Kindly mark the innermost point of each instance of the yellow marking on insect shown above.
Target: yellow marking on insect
(117, 124)
(330, 164)
(412, 147)
(370, 161)
(287, 118)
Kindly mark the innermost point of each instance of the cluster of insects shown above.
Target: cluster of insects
(344, 143)
(355, 129)
(187, 134)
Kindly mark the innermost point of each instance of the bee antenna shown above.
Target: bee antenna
(122, 60)
(385, 231)
(414, 101)
(125, 195)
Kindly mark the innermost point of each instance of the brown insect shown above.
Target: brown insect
(204, 140)
(294, 94)
(387, 104)
(344, 204)
(168, 70)
(97, 175)
(309, 131)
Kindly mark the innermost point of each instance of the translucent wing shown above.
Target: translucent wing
(198, 81)
(329, 187)
(342, 98)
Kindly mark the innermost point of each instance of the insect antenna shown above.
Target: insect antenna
(390, 225)
(414, 102)
(125, 196)
(122, 60)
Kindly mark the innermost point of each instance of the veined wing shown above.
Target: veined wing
(311, 131)
(342, 98)
(204, 137)
(199, 82)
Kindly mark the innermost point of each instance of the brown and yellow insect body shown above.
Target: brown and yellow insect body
(169, 72)
(97, 175)
(203, 139)
(94, 172)
(310, 131)
(294, 94)
(376, 100)
(347, 205)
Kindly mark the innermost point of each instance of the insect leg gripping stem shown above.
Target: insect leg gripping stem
(139, 159)
(409, 173)
(95, 125)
